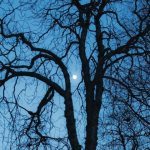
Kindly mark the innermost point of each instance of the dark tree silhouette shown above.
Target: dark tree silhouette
(107, 42)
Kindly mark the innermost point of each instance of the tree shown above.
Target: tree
(108, 41)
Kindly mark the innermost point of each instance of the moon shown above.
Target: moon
(74, 77)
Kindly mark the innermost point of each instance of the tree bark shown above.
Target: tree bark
(93, 109)
(70, 123)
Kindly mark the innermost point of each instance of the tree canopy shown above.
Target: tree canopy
(43, 43)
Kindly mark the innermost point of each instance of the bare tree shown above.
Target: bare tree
(108, 43)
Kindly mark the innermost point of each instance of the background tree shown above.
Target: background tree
(42, 42)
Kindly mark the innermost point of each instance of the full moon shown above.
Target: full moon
(74, 77)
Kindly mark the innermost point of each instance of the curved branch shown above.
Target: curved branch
(34, 75)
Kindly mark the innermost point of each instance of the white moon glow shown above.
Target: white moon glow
(74, 77)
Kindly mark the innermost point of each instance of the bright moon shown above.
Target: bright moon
(74, 77)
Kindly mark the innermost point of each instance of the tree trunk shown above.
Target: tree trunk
(70, 123)
(92, 123)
